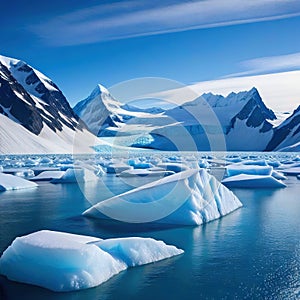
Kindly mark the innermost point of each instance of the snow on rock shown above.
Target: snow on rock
(66, 262)
(192, 197)
(10, 182)
(252, 181)
(236, 169)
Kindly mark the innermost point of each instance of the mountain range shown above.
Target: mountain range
(35, 117)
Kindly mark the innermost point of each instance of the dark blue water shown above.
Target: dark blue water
(253, 253)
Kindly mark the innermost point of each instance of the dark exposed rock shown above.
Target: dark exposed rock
(284, 130)
(17, 103)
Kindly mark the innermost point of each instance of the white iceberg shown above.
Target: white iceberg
(278, 175)
(237, 169)
(47, 175)
(145, 173)
(175, 167)
(75, 176)
(10, 182)
(66, 262)
(192, 197)
(252, 181)
(294, 171)
(117, 168)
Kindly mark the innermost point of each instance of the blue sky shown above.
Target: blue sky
(81, 43)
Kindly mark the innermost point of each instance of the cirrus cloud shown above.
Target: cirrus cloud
(127, 19)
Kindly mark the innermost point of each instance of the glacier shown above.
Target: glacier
(191, 197)
(66, 262)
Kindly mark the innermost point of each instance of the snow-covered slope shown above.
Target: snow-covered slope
(237, 116)
(100, 110)
(28, 96)
(105, 116)
(286, 136)
(184, 127)
(35, 116)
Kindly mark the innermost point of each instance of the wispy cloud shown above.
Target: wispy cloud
(269, 64)
(279, 91)
(127, 19)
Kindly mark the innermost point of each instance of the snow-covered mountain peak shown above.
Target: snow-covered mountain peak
(31, 79)
(32, 99)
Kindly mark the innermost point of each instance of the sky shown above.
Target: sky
(79, 44)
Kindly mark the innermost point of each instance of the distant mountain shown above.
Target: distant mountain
(286, 137)
(243, 118)
(34, 103)
(100, 110)
(35, 117)
(105, 116)
(150, 110)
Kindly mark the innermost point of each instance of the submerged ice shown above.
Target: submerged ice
(64, 262)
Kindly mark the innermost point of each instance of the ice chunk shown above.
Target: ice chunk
(236, 169)
(192, 197)
(149, 250)
(117, 168)
(65, 262)
(74, 176)
(250, 181)
(203, 163)
(291, 171)
(46, 160)
(175, 167)
(278, 175)
(256, 162)
(10, 182)
(274, 163)
(48, 175)
(145, 172)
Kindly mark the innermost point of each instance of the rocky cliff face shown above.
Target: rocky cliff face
(31, 99)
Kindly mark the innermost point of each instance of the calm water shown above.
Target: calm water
(253, 253)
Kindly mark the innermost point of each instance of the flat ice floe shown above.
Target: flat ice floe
(47, 175)
(66, 262)
(252, 181)
(192, 197)
(10, 182)
(240, 168)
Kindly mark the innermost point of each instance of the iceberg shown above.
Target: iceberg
(237, 169)
(145, 173)
(175, 167)
(192, 197)
(117, 168)
(278, 175)
(10, 182)
(294, 171)
(75, 176)
(252, 181)
(47, 175)
(65, 262)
